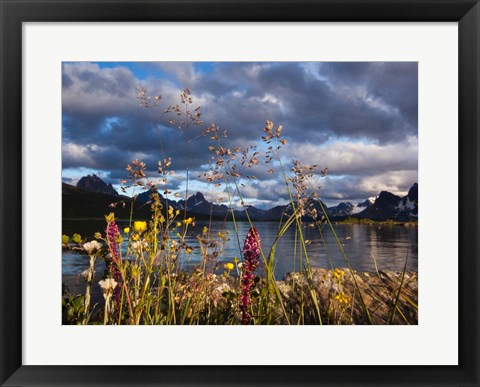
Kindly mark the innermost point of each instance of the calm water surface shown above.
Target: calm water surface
(390, 245)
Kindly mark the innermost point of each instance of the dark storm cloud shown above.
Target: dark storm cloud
(316, 102)
(394, 83)
(104, 128)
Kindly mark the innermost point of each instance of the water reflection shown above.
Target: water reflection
(388, 245)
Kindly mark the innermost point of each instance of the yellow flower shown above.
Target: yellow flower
(188, 250)
(205, 230)
(188, 221)
(342, 298)
(135, 271)
(140, 226)
(229, 266)
(136, 237)
(110, 217)
(179, 224)
(65, 239)
(77, 238)
(126, 230)
(220, 235)
(235, 260)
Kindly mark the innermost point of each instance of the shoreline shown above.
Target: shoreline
(336, 291)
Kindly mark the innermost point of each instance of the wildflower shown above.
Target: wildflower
(140, 226)
(112, 234)
(136, 237)
(77, 238)
(126, 230)
(65, 239)
(179, 224)
(139, 245)
(110, 217)
(97, 235)
(135, 271)
(188, 250)
(229, 266)
(188, 221)
(251, 255)
(92, 247)
(342, 298)
(108, 285)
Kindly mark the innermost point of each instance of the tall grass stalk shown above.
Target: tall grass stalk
(364, 305)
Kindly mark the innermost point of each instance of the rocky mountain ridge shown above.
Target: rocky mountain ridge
(95, 184)
(386, 206)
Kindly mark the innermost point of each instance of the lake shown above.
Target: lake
(388, 245)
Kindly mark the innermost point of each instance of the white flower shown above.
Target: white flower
(107, 285)
(139, 245)
(92, 247)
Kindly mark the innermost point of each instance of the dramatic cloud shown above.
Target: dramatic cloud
(357, 119)
(343, 157)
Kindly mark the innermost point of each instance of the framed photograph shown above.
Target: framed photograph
(247, 193)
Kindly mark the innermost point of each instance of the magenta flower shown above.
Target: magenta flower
(251, 255)
(112, 235)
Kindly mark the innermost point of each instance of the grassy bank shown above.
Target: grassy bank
(335, 291)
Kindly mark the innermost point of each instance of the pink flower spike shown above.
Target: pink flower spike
(251, 255)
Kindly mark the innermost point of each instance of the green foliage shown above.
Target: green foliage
(72, 307)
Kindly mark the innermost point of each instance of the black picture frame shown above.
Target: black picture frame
(15, 12)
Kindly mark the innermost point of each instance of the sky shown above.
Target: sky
(358, 119)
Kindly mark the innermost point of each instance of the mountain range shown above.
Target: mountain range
(92, 196)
